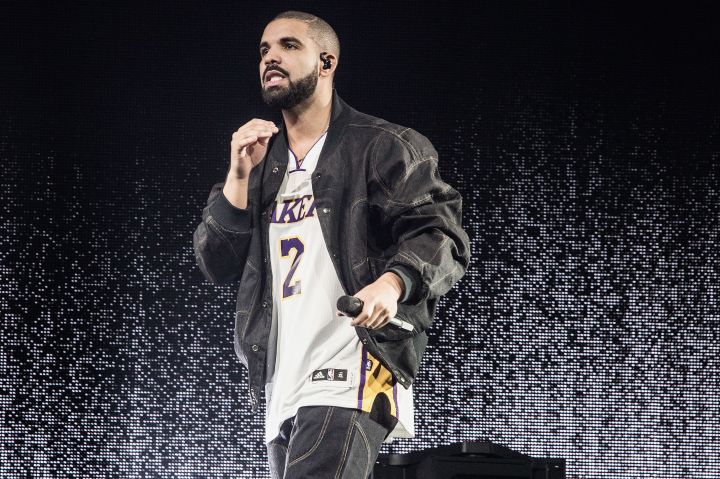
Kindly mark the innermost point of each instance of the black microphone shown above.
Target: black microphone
(352, 306)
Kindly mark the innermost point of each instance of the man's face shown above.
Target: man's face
(288, 63)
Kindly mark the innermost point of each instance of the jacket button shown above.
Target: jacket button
(276, 169)
(255, 348)
(264, 304)
(326, 210)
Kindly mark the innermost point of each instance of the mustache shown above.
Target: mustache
(275, 68)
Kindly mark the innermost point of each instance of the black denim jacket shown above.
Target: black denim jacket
(381, 206)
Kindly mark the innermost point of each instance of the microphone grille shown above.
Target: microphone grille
(350, 305)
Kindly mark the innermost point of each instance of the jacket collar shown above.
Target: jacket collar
(339, 119)
(339, 108)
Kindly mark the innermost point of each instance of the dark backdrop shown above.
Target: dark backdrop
(584, 138)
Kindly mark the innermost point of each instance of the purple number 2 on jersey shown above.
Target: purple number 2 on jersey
(286, 247)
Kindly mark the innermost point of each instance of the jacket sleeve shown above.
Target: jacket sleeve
(422, 213)
(222, 239)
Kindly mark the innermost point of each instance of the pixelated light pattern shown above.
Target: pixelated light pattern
(587, 326)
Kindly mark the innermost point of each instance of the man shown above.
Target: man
(331, 202)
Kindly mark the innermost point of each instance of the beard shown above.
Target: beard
(296, 92)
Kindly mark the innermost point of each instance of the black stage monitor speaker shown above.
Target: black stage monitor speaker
(467, 460)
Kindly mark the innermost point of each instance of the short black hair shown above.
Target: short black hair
(319, 30)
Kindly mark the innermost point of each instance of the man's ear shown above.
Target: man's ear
(328, 63)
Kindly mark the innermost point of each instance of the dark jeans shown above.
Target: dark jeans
(327, 442)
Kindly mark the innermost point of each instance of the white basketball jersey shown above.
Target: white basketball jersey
(318, 358)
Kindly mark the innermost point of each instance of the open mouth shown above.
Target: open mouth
(273, 78)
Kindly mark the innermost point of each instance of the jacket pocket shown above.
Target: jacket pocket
(246, 300)
(241, 319)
